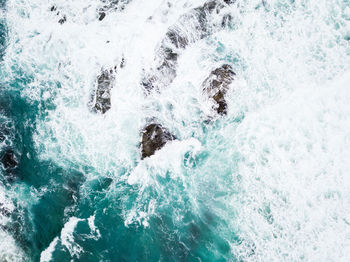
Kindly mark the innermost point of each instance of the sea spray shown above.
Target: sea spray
(265, 182)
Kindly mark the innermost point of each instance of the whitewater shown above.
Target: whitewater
(267, 181)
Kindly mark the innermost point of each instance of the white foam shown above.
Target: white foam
(94, 230)
(159, 163)
(9, 251)
(8, 248)
(66, 239)
(46, 255)
(295, 199)
(277, 176)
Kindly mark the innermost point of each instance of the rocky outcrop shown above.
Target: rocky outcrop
(154, 137)
(4, 211)
(195, 25)
(63, 18)
(216, 86)
(110, 5)
(9, 160)
(102, 96)
(100, 100)
(191, 27)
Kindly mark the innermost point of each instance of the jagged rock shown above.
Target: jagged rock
(102, 16)
(102, 98)
(122, 63)
(2, 137)
(62, 20)
(216, 86)
(9, 160)
(109, 5)
(190, 27)
(194, 25)
(226, 20)
(154, 137)
(4, 211)
(176, 38)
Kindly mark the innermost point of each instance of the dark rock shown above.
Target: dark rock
(226, 20)
(102, 98)
(4, 211)
(110, 5)
(216, 86)
(147, 84)
(2, 137)
(154, 137)
(9, 160)
(199, 18)
(102, 16)
(122, 63)
(62, 20)
(169, 54)
(189, 28)
(176, 38)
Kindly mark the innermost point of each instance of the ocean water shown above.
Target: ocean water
(267, 182)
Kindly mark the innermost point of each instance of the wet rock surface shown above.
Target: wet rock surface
(4, 211)
(9, 160)
(63, 18)
(102, 96)
(190, 27)
(110, 5)
(216, 86)
(154, 137)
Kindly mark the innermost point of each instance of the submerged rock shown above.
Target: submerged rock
(190, 27)
(9, 160)
(216, 86)
(102, 96)
(154, 137)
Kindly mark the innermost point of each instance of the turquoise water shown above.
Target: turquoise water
(267, 182)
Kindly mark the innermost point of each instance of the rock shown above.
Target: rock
(226, 20)
(122, 63)
(110, 5)
(176, 38)
(190, 27)
(154, 137)
(2, 137)
(102, 15)
(216, 86)
(4, 211)
(102, 98)
(9, 160)
(62, 20)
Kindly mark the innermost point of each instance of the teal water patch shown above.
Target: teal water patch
(3, 31)
(61, 194)
(33, 225)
